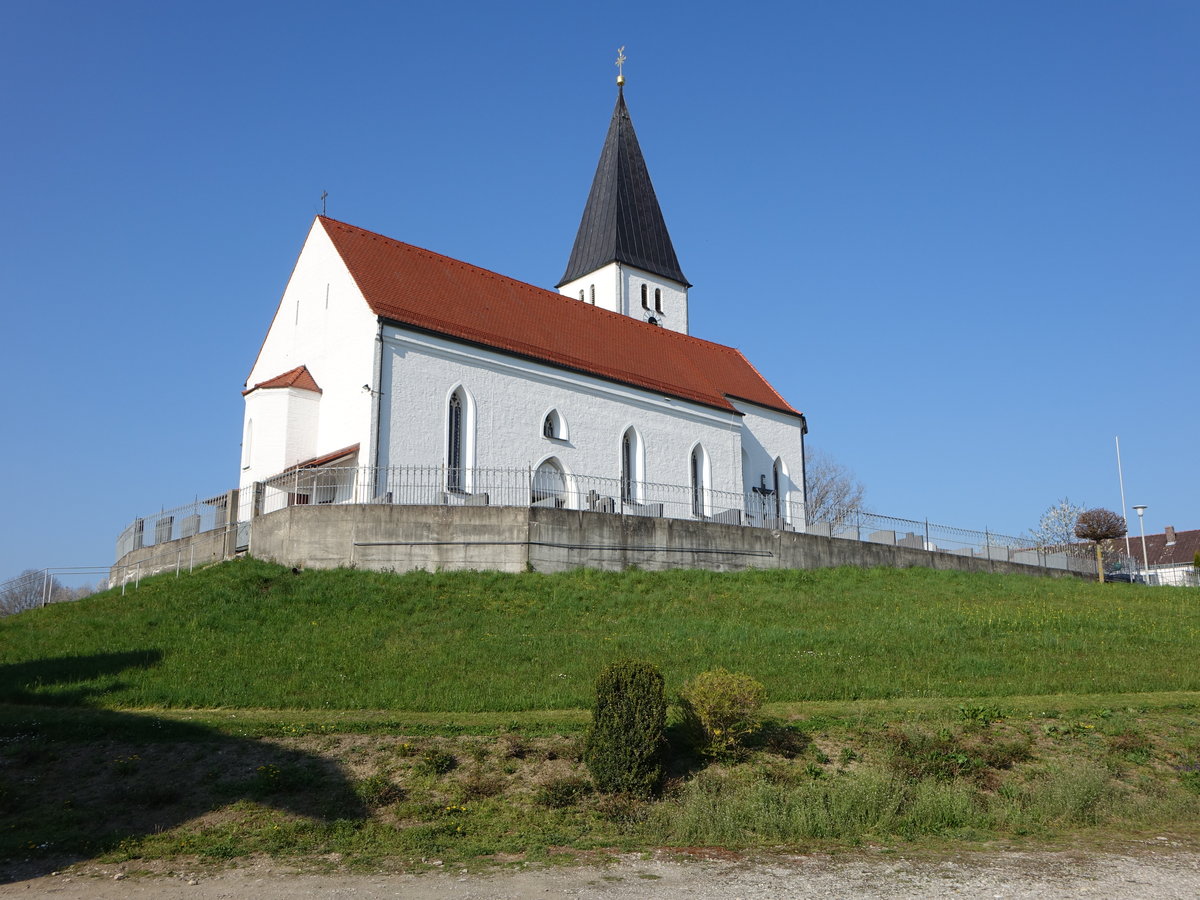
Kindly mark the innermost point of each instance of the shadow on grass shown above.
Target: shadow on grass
(78, 782)
(684, 756)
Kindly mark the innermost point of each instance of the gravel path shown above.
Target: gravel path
(1160, 873)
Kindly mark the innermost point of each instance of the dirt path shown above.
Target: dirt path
(1153, 874)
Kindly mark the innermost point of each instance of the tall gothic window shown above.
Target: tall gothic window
(698, 485)
(627, 466)
(658, 299)
(645, 299)
(778, 495)
(455, 442)
(633, 466)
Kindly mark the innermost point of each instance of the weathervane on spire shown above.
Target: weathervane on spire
(620, 63)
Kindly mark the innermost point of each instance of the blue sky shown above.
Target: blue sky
(964, 238)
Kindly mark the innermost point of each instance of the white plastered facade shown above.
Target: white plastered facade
(508, 399)
(323, 322)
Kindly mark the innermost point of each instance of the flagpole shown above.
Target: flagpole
(1121, 478)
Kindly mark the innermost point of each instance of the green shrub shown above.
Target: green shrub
(623, 747)
(721, 708)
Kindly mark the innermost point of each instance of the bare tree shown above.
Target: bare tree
(30, 589)
(1099, 525)
(831, 490)
(37, 587)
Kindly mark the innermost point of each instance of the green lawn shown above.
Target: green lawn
(248, 710)
(251, 635)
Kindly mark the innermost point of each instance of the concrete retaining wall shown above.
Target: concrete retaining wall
(402, 538)
(181, 554)
(513, 539)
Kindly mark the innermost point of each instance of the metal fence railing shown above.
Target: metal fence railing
(761, 507)
(551, 487)
(171, 524)
(440, 486)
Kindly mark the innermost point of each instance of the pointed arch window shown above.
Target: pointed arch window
(549, 485)
(627, 467)
(645, 296)
(775, 484)
(699, 473)
(658, 300)
(554, 426)
(781, 479)
(633, 466)
(456, 443)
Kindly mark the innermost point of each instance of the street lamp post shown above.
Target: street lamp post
(1141, 511)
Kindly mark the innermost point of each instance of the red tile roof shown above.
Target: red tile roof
(1160, 553)
(298, 377)
(425, 290)
(325, 459)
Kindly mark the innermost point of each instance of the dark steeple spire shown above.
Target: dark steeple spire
(622, 221)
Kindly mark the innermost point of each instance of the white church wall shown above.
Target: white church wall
(600, 288)
(618, 287)
(511, 397)
(285, 423)
(324, 323)
(674, 315)
(768, 435)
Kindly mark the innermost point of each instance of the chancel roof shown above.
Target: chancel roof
(622, 221)
(424, 290)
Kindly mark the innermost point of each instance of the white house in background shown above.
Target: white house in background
(386, 356)
(1171, 557)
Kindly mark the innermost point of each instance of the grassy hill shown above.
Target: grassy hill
(409, 721)
(253, 635)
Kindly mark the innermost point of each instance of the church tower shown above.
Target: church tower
(623, 258)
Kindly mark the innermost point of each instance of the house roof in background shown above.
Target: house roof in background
(1160, 553)
(430, 292)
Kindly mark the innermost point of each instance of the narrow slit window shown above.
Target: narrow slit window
(454, 450)
(645, 297)
(775, 487)
(658, 300)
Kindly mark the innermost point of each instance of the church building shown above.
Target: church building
(392, 374)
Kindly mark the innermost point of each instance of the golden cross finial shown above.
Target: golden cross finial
(620, 63)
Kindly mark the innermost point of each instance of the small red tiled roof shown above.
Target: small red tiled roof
(324, 459)
(298, 377)
(425, 290)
